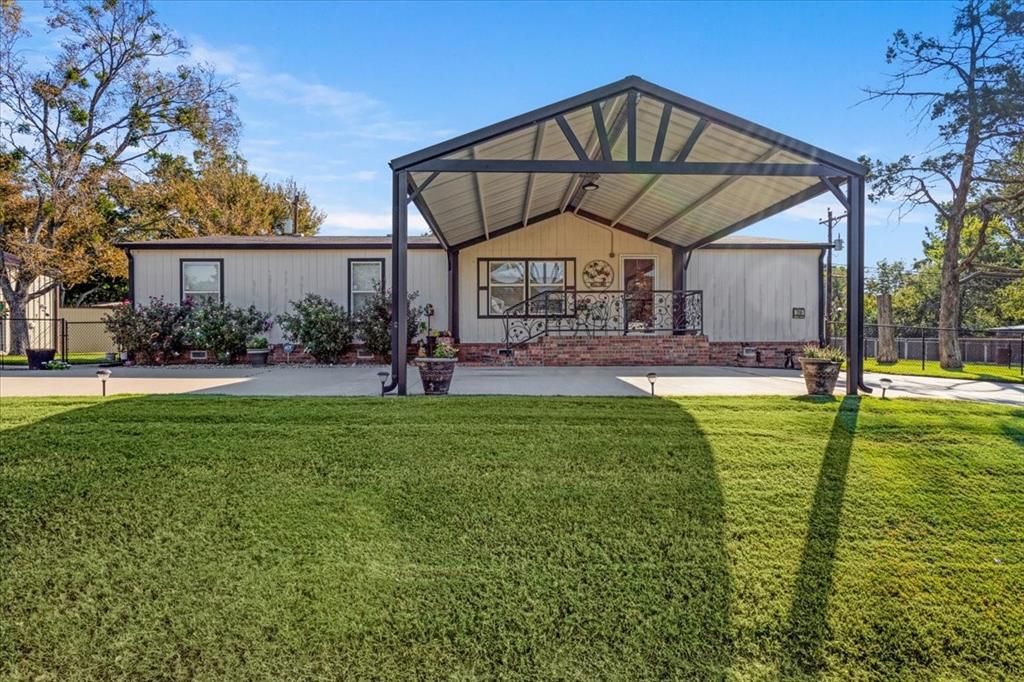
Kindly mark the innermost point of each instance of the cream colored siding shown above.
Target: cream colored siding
(563, 236)
(271, 278)
(40, 312)
(749, 294)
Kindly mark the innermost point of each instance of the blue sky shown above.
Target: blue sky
(329, 92)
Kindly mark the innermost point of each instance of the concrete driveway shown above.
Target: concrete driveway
(363, 380)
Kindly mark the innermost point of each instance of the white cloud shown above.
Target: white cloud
(354, 114)
(342, 221)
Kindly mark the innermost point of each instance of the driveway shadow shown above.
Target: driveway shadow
(807, 623)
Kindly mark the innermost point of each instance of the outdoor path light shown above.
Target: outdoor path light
(886, 383)
(103, 375)
(383, 376)
(652, 377)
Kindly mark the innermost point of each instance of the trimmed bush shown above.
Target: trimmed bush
(224, 329)
(150, 334)
(373, 322)
(320, 325)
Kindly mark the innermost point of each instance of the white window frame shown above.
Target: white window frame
(379, 262)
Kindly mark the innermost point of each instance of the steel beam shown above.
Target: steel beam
(684, 152)
(479, 195)
(400, 276)
(659, 141)
(680, 259)
(834, 188)
(855, 288)
(453, 293)
(538, 142)
(631, 126)
(754, 168)
(426, 183)
(602, 133)
(708, 196)
(570, 136)
(778, 207)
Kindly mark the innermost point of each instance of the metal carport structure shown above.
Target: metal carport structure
(630, 155)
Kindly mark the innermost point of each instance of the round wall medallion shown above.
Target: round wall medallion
(598, 274)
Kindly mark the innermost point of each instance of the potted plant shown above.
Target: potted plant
(437, 369)
(37, 357)
(821, 368)
(257, 348)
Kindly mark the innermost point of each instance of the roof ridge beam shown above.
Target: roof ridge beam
(709, 195)
(688, 146)
(741, 168)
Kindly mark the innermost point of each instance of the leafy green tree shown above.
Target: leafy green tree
(98, 112)
(970, 86)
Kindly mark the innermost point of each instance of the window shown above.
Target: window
(365, 278)
(510, 282)
(202, 280)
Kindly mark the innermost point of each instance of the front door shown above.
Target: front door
(638, 277)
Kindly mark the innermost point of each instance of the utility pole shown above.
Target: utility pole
(837, 245)
(295, 213)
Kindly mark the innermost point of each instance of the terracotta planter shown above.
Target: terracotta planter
(257, 356)
(36, 358)
(820, 375)
(436, 374)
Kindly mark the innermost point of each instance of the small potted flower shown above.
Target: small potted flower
(437, 369)
(821, 368)
(257, 348)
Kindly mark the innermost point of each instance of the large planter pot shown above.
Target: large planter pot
(36, 358)
(257, 356)
(436, 374)
(820, 375)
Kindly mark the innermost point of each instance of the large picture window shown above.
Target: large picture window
(507, 283)
(202, 280)
(365, 278)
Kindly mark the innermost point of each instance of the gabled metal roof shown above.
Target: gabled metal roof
(668, 167)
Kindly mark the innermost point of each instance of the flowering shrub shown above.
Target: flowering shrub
(322, 327)
(373, 322)
(445, 351)
(150, 334)
(224, 329)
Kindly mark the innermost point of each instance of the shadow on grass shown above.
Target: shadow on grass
(458, 544)
(807, 625)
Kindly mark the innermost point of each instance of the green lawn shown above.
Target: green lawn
(73, 358)
(750, 539)
(972, 371)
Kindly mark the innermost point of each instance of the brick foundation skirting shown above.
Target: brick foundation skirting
(555, 351)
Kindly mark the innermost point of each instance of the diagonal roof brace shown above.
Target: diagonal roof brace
(688, 146)
(479, 194)
(708, 196)
(538, 142)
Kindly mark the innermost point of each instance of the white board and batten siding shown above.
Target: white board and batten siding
(749, 294)
(271, 278)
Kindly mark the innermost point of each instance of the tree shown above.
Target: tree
(979, 117)
(214, 194)
(99, 113)
(887, 279)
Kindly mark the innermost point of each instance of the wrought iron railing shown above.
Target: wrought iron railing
(603, 313)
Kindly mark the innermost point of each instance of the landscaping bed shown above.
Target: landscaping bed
(757, 538)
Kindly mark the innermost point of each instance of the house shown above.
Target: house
(594, 230)
(38, 328)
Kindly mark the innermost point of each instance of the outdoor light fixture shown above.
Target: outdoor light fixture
(886, 383)
(103, 375)
(591, 183)
(383, 376)
(652, 377)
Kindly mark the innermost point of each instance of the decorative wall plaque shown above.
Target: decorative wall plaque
(598, 274)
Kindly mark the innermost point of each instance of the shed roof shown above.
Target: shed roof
(667, 167)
